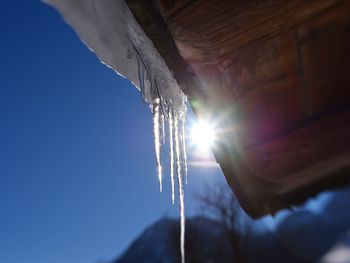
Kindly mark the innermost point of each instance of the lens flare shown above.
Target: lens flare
(202, 135)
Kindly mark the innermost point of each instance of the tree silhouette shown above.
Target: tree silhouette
(218, 202)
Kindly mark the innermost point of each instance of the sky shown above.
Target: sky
(77, 166)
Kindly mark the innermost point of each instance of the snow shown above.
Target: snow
(207, 238)
(340, 252)
(110, 30)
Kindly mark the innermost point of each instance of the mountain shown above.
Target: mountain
(206, 242)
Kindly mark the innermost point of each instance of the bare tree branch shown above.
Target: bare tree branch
(219, 202)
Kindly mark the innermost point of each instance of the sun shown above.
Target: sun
(202, 135)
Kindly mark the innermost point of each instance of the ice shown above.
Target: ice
(180, 184)
(110, 30)
(162, 125)
(171, 146)
(157, 131)
(183, 143)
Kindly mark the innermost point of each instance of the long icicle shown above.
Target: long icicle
(157, 139)
(181, 188)
(171, 146)
(162, 127)
(183, 140)
(174, 118)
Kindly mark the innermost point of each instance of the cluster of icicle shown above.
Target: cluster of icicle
(162, 113)
(172, 114)
(168, 106)
(168, 110)
(110, 30)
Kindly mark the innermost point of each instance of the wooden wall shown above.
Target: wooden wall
(275, 75)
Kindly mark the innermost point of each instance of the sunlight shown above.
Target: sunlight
(202, 135)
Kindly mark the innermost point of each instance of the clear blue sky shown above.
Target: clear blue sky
(77, 166)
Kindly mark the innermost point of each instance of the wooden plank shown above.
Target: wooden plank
(325, 60)
(266, 113)
(216, 28)
(294, 152)
(170, 8)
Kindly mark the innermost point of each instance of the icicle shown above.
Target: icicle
(182, 219)
(131, 53)
(141, 71)
(157, 138)
(176, 121)
(181, 188)
(162, 126)
(171, 146)
(183, 140)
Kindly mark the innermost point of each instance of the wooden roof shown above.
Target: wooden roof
(274, 75)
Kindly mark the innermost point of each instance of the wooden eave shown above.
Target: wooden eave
(274, 74)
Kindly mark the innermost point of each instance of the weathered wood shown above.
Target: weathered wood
(153, 24)
(294, 152)
(274, 75)
(216, 28)
(325, 59)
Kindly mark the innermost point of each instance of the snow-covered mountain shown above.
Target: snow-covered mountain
(206, 242)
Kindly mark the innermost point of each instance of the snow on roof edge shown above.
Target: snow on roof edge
(109, 29)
